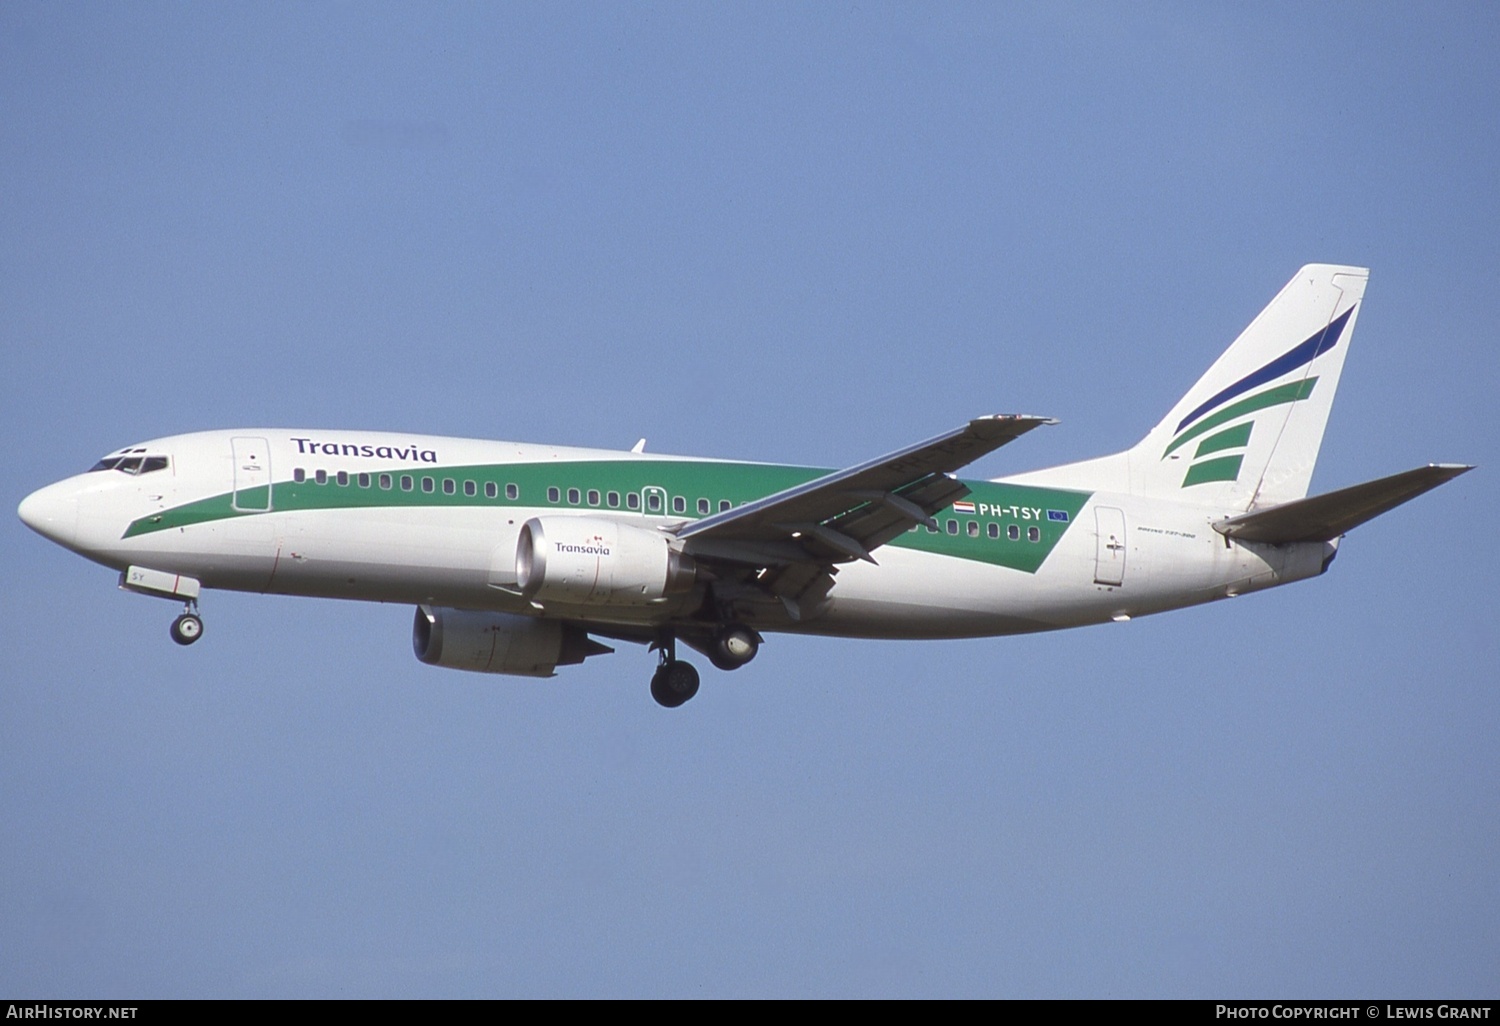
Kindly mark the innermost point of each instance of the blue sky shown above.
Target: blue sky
(780, 232)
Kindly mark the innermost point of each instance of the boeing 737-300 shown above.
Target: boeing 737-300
(519, 557)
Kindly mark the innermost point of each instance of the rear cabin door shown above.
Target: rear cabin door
(1109, 559)
(252, 475)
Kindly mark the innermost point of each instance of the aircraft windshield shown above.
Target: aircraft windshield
(131, 464)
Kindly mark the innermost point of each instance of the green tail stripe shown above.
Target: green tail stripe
(1288, 393)
(1224, 468)
(1236, 437)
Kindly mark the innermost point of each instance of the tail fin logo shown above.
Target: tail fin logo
(1233, 402)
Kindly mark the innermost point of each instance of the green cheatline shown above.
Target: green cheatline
(735, 483)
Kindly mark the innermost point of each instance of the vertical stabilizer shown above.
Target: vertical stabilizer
(1247, 434)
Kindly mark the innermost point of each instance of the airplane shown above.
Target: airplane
(520, 557)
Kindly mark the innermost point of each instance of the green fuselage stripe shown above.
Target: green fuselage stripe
(1044, 514)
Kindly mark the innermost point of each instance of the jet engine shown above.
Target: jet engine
(463, 639)
(597, 561)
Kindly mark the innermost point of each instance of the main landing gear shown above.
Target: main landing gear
(734, 646)
(674, 682)
(188, 627)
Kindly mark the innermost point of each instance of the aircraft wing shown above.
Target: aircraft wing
(844, 515)
(1325, 517)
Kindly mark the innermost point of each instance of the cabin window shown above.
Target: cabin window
(1034, 534)
(613, 499)
(385, 482)
(633, 500)
(953, 527)
(1013, 532)
(364, 480)
(679, 504)
(321, 476)
(653, 503)
(512, 492)
(704, 506)
(429, 485)
(553, 495)
(593, 497)
(406, 482)
(932, 529)
(299, 475)
(491, 490)
(470, 488)
(725, 505)
(994, 530)
(343, 478)
(573, 496)
(973, 529)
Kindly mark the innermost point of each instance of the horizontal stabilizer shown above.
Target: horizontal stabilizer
(1325, 517)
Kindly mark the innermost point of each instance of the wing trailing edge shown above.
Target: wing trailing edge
(796, 537)
(1326, 517)
(872, 502)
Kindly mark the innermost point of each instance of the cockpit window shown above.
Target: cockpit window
(131, 464)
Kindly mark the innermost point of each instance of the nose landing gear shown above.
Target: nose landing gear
(188, 627)
(143, 580)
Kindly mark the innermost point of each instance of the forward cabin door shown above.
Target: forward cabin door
(1109, 558)
(252, 475)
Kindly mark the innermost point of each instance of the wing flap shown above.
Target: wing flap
(1325, 517)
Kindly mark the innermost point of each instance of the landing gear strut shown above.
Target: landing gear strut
(188, 627)
(673, 682)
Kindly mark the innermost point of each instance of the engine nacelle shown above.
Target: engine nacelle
(462, 639)
(597, 561)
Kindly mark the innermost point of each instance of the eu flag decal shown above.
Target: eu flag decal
(1059, 515)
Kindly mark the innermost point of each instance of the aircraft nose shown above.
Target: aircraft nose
(51, 512)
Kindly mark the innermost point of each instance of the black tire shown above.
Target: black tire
(186, 629)
(673, 684)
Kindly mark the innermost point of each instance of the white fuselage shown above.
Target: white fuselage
(229, 510)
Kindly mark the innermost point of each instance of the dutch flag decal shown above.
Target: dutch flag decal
(963, 507)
